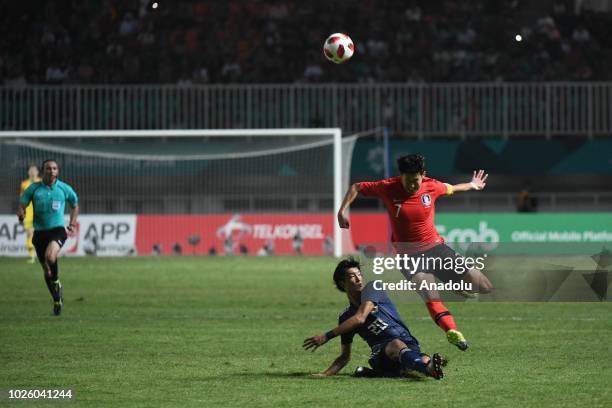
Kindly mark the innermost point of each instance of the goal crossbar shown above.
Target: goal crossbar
(171, 133)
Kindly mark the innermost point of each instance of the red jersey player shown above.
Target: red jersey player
(410, 201)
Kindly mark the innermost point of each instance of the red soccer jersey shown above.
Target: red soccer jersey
(412, 216)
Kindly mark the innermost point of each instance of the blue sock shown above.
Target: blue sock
(411, 360)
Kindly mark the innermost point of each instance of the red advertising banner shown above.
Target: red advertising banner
(252, 234)
(233, 234)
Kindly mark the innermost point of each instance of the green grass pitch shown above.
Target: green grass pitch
(209, 332)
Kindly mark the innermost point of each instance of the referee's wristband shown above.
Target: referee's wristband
(330, 335)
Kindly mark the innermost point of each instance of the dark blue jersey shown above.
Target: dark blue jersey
(382, 325)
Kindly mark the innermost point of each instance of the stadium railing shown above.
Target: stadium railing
(409, 109)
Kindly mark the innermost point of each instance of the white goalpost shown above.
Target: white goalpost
(212, 171)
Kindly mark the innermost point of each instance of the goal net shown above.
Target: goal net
(216, 192)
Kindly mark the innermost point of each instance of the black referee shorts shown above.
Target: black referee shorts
(42, 239)
(436, 261)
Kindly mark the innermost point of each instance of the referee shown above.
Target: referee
(49, 198)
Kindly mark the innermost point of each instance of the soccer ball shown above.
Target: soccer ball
(338, 48)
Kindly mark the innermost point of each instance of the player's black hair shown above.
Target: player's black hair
(47, 161)
(413, 163)
(340, 272)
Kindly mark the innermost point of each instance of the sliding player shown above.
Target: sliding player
(372, 315)
(49, 198)
(410, 201)
(28, 221)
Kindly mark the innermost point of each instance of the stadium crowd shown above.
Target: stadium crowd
(271, 41)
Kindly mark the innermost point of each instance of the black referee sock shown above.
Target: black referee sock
(52, 282)
(50, 285)
(54, 271)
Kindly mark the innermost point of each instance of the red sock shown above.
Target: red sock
(441, 316)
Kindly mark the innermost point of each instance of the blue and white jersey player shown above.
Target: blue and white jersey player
(372, 315)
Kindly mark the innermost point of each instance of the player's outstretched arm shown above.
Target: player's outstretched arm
(314, 342)
(339, 363)
(477, 182)
(349, 197)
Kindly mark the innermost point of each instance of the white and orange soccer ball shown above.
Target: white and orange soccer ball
(338, 48)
